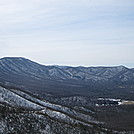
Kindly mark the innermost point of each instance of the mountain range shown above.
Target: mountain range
(24, 73)
(26, 68)
(41, 99)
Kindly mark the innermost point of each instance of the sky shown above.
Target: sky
(68, 32)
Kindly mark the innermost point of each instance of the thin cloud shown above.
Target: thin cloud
(86, 29)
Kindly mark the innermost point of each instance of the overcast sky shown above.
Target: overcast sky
(68, 32)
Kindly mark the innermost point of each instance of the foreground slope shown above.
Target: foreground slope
(32, 115)
(22, 113)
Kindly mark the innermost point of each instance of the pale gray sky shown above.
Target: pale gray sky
(68, 32)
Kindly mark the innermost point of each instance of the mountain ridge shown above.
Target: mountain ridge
(24, 73)
(25, 64)
(56, 65)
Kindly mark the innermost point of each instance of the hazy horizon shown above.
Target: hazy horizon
(73, 32)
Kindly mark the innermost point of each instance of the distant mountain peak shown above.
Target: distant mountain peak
(13, 58)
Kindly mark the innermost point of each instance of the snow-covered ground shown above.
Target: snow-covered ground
(111, 101)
